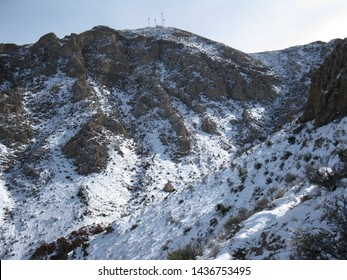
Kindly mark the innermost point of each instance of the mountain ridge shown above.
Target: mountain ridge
(95, 125)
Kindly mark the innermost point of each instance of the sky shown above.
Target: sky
(247, 25)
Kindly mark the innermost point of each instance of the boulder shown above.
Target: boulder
(169, 187)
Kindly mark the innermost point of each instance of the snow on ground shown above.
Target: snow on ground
(299, 60)
(187, 215)
(6, 202)
(147, 222)
(214, 183)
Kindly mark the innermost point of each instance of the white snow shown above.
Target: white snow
(128, 195)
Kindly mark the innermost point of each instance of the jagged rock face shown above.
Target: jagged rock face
(89, 148)
(115, 57)
(156, 69)
(93, 125)
(328, 93)
(14, 127)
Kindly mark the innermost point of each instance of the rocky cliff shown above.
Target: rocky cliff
(136, 143)
(328, 93)
(153, 67)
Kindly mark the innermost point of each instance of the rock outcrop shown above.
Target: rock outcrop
(89, 148)
(157, 66)
(14, 126)
(328, 94)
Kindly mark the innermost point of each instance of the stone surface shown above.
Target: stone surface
(328, 94)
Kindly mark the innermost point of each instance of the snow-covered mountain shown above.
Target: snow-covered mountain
(143, 144)
(294, 67)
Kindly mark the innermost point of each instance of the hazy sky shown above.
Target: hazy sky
(247, 25)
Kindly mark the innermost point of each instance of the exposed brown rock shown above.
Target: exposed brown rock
(156, 71)
(88, 147)
(169, 187)
(209, 126)
(62, 247)
(14, 127)
(328, 94)
(81, 90)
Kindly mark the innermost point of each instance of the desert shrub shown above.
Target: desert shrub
(234, 223)
(313, 244)
(214, 250)
(286, 155)
(268, 180)
(307, 157)
(242, 173)
(335, 213)
(257, 165)
(222, 209)
(209, 126)
(83, 195)
(342, 154)
(232, 226)
(324, 177)
(186, 230)
(298, 129)
(237, 189)
(258, 192)
(289, 178)
(261, 204)
(189, 252)
(310, 245)
(318, 143)
(291, 140)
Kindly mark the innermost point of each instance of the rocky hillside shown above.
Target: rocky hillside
(107, 135)
(294, 67)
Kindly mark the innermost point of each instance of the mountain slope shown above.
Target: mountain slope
(294, 67)
(131, 144)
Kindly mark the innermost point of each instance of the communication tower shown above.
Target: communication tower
(162, 22)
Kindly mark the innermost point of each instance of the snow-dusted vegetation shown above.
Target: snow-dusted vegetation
(157, 143)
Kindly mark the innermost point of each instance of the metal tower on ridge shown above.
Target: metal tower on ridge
(162, 21)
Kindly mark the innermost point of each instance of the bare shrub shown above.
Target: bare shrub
(261, 204)
(289, 178)
(189, 252)
(311, 245)
(234, 223)
(222, 209)
(324, 177)
(324, 244)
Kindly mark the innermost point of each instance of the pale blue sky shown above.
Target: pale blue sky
(247, 25)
